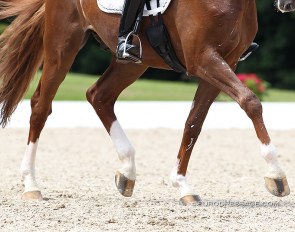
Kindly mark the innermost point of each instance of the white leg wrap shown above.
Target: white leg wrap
(179, 181)
(269, 153)
(28, 168)
(125, 150)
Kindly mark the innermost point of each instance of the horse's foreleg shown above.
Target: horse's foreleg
(102, 96)
(203, 99)
(216, 71)
(62, 40)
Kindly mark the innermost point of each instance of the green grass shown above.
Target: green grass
(277, 95)
(75, 85)
(2, 27)
(272, 95)
(73, 88)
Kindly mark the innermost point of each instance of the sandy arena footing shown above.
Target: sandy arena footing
(76, 167)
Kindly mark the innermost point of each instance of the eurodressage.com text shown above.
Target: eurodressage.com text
(229, 203)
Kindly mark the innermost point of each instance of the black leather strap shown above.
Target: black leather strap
(131, 16)
(159, 39)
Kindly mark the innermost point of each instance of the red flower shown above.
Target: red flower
(253, 82)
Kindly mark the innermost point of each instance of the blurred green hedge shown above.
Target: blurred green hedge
(274, 60)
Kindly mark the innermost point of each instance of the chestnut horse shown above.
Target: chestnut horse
(208, 37)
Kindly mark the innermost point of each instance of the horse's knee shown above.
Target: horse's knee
(40, 112)
(89, 95)
(93, 95)
(98, 98)
(34, 101)
(251, 105)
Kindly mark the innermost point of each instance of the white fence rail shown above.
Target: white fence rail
(141, 114)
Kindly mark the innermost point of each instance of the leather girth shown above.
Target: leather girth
(160, 41)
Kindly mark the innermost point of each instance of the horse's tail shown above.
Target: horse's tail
(21, 51)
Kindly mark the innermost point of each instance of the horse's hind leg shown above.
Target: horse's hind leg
(102, 96)
(216, 71)
(62, 40)
(203, 99)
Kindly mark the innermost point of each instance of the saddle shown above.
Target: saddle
(156, 33)
(116, 6)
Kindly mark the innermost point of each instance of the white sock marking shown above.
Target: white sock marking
(28, 168)
(125, 150)
(179, 181)
(269, 153)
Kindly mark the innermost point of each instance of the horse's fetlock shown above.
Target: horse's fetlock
(126, 152)
(24, 172)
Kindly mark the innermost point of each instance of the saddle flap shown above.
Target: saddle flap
(159, 39)
(154, 34)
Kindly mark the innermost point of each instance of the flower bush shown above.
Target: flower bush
(253, 82)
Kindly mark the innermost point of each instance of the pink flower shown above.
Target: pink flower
(253, 82)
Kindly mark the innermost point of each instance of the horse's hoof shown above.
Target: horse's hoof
(124, 185)
(190, 200)
(32, 196)
(277, 187)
